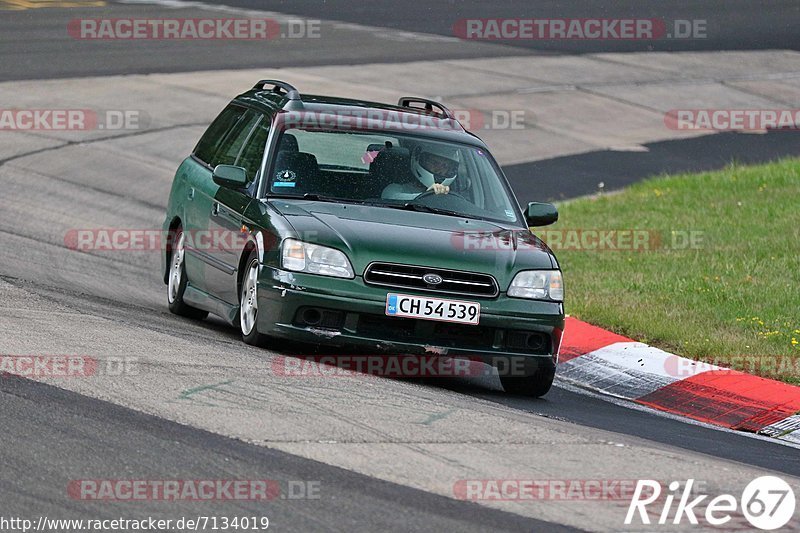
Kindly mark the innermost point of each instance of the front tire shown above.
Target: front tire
(248, 304)
(534, 386)
(176, 283)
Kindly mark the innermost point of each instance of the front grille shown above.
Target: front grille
(424, 332)
(454, 336)
(411, 277)
(475, 337)
(398, 328)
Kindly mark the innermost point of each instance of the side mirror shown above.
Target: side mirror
(230, 176)
(540, 214)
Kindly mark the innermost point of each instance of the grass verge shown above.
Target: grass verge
(715, 274)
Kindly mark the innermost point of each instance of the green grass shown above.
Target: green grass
(735, 298)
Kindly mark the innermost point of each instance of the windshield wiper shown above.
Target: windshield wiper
(411, 206)
(315, 197)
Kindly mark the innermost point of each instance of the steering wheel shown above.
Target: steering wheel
(430, 192)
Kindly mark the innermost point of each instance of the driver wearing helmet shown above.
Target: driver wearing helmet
(435, 167)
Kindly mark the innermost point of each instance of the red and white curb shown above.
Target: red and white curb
(611, 364)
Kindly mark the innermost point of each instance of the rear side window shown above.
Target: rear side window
(217, 132)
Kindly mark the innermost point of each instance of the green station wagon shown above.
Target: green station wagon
(386, 228)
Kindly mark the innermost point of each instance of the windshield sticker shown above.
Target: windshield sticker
(285, 175)
(509, 213)
(285, 178)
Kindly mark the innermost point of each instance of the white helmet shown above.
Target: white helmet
(434, 163)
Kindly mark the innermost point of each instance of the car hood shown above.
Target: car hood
(369, 233)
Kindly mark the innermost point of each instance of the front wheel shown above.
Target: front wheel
(534, 386)
(248, 304)
(176, 283)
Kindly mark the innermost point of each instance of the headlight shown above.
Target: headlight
(314, 259)
(538, 285)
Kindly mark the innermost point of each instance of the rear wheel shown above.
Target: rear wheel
(535, 385)
(248, 304)
(176, 283)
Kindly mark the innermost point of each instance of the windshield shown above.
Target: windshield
(390, 170)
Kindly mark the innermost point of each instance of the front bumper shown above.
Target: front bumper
(352, 314)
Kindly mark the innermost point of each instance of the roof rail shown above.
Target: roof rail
(289, 90)
(430, 105)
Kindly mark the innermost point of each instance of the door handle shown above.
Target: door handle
(191, 193)
(215, 209)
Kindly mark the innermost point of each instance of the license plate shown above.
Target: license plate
(433, 308)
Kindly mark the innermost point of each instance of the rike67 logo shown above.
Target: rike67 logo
(767, 502)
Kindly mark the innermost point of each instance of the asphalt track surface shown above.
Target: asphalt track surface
(50, 435)
(565, 177)
(731, 25)
(35, 45)
(115, 440)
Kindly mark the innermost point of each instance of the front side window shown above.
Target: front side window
(233, 142)
(217, 132)
(252, 152)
